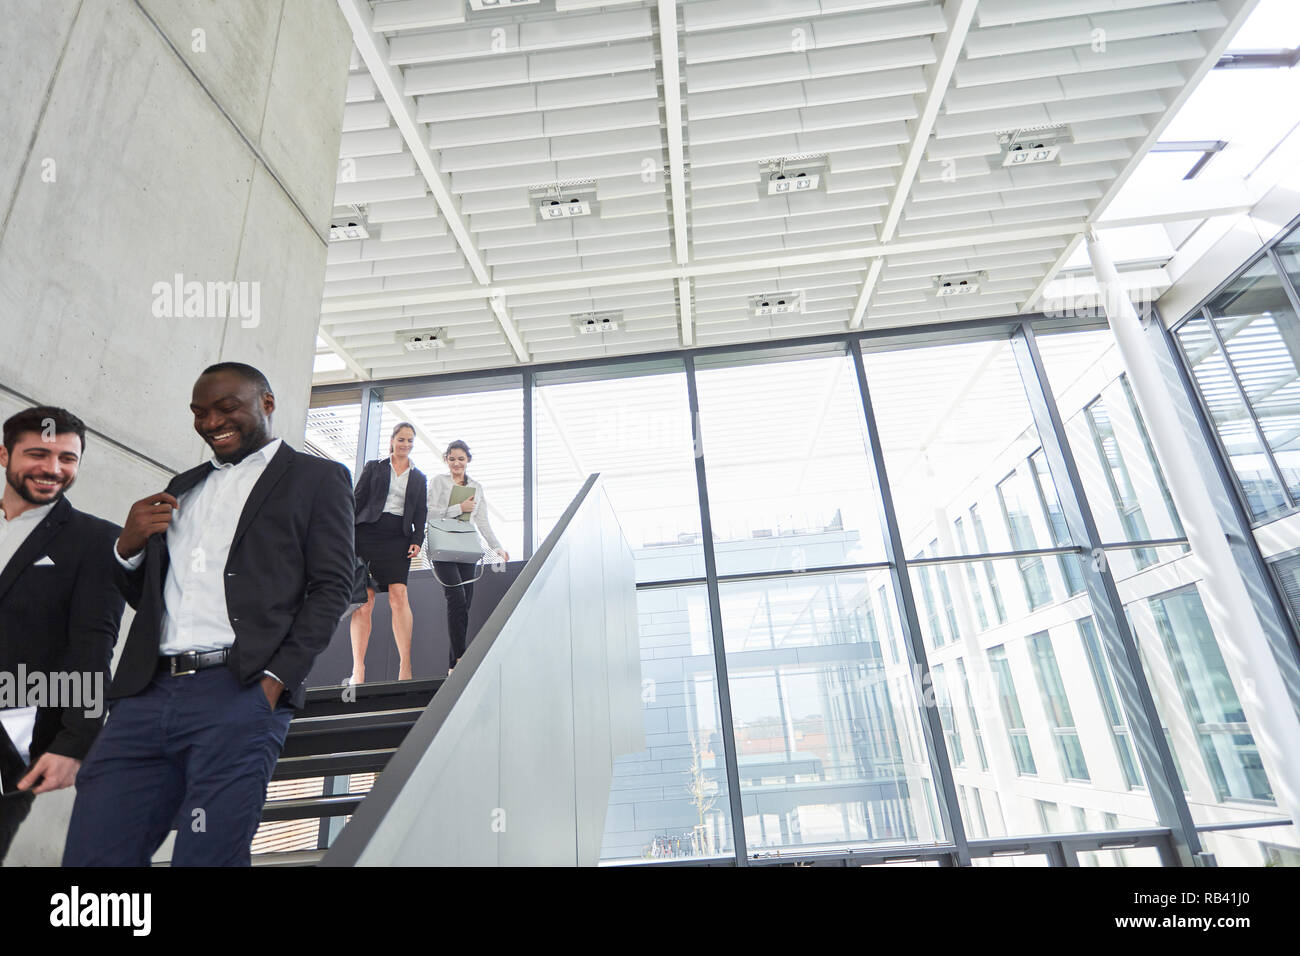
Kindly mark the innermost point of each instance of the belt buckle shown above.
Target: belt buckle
(176, 673)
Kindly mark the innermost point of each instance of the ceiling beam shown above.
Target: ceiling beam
(497, 302)
(1181, 201)
(959, 14)
(373, 49)
(672, 99)
(1239, 11)
(729, 266)
(864, 297)
(684, 311)
(342, 353)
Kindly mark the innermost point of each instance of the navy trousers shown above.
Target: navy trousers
(458, 597)
(194, 752)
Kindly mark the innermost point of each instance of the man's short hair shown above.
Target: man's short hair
(40, 419)
(246, 372)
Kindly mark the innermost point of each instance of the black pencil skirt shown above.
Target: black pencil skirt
(383, 545)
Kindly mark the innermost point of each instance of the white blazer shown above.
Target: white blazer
(440, 506)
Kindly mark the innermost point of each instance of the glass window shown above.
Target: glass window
(1257, 325)
(972, 580)
(1104, 681)
(947, 415)
(944, 702)
(983, 829)
(1049, 816)
(974, 717)
(924, 575)
(490, 420)
(886, 614)
(819, 728)
(1057, 706)
(1010, 704)
(1287, 573)
(790, 483)
(1288, 253)
(1152, 463)
(1159, 693)
(1037, 591)
(990, 570)
(1209, 697)
(671, 799)
(1071, 572)
(1241, 441)
(1117, 479)
(633, 426)
(332, 432)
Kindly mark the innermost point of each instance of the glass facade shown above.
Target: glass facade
(834, 700)
(489, 419)
(1243, 348)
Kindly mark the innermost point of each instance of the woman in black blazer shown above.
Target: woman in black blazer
(391, 510)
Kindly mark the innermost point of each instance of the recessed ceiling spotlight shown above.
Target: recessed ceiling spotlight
(350, 226)
(791, 174)
(1028, 147)
(776, 303)
(596, 323)
(962, 283)
(423, 340)
(564, 200)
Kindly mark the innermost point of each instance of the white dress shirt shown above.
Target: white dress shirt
(195, 616)
(19, 722)
(440, 504)
(396, 503)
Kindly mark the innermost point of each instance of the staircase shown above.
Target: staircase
(332, 737)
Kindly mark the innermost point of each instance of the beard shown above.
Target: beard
(19, 484)
(248, 444)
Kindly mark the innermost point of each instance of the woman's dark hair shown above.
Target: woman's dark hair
(396, 429)
(459, 445)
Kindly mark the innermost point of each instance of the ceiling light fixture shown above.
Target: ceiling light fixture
(791, 174)
(423, 340)
(1030, 146)
(957, 283)
(567, 199)
(776, 303)
(349, 226)
(596, 323)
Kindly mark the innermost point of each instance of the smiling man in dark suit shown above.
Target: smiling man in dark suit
(239, 572)
(59, 609)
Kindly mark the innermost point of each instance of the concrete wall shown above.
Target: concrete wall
(146, 139)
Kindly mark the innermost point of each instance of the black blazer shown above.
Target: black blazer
(62, 617)
(372, 492)
(288, 576)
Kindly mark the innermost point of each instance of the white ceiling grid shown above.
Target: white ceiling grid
(452, 115)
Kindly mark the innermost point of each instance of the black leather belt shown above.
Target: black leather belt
(192, 661)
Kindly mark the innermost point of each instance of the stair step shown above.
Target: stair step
(333, 723)
(304, 808)
(333, 764)
(338, 734)
(380, 695)
(289, 858)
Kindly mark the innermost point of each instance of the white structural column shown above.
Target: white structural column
(1251, 665)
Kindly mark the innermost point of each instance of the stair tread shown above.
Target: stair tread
(289, 858)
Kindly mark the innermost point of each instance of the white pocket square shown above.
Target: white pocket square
(47, 560)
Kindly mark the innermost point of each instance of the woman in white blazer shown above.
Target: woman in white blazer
(456, 578)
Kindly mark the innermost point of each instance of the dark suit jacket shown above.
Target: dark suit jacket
(62, 617)
(288, 576)
(372, 492)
